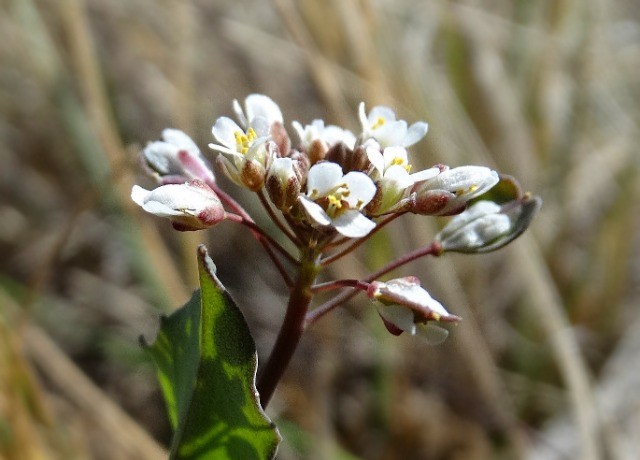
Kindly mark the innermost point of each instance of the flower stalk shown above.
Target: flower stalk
(292, 328)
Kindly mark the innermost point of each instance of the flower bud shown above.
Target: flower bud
(176, 159)
(283, 183)
(487, 226)
(448, 192)
(349, 160)
(317, 151)
(316, 139)
(189, 206)
(406, 307)
(381, 124)
(281, 138)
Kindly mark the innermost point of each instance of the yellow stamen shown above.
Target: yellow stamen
(379, 122)
(334, 201)
(401, 161)
(471, 189)
(244, 141)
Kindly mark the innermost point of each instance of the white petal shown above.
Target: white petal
(259, 105)
(282, 168)
(376, 158)
(139, 194)
(237, 109)
(334, 134)
(434, 335)
(314, 211)
(362, 115)
(258, 151)
(180, 140)
(391, 133)
(485, 185)
(163, 157)
(381, 111)
(493, 226)
(394, 153)
(224, 130)
(323, 177)
(415, 133)
(425, 174)
(393, 187)
(260, 125)
(302, 135)
(481, 208)
(353, 224)
(397, 178)
(478, 233)
(361, 188)
(407, 291)
(162, 210)
(466, 181)
(399, 316)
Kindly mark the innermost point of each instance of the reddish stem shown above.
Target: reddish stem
(260, 236)
(291, 330)
(327, 260)
(434, 249)
(330, 285)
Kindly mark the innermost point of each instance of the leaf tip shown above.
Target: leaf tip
(205, 261)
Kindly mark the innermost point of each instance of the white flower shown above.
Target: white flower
(336, 199)
(257, 106)
(381, 125)
(330, 135)
(390, 170)
(255, 123)
(176, 158)
(449, 191)
(247, 145)
(249, 169)
(406, 307)
(391, 156)
(190, 206)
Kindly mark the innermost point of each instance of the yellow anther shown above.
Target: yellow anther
(379, 122)
(471, 189)
(334, 201)
(244, 140)
(401, 162)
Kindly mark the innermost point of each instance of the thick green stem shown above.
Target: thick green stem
(291, 331)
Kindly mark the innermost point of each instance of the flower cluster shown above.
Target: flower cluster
(327, 186)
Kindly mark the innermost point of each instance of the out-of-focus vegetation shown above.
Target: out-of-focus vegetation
(544, 365)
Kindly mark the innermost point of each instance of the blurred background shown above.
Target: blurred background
(545, 363)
